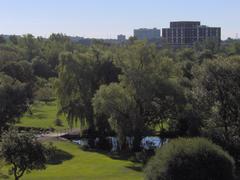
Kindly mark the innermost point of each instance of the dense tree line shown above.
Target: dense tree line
(27, 67)
(130, 89)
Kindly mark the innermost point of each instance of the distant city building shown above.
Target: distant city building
(90, 41)
(186, 33)
(121, 38)
(147, 34)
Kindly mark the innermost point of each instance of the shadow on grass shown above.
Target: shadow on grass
(4, 176)
(59, 157)
(113, 155)
(124, 156)
(37, 116)
(135, 168)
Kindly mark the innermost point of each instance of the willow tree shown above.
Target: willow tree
(118, 104)
(80, 75)
(151, 82)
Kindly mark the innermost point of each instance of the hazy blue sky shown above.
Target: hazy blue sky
(107, 18)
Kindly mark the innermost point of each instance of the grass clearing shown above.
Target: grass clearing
(83, 165)
(76, 163)
(43, 116)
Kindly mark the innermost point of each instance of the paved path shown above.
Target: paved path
(52, 135)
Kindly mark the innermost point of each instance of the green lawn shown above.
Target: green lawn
(79, 164)
(43, 116)
(85, 165)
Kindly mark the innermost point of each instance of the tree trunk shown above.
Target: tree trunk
(137, 140)
(17, 174)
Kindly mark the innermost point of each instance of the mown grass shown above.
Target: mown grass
(77, 164)
(43, 116)
(83, 165)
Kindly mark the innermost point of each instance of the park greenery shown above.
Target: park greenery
(23, 152)
(134, 89)
(185, 159)
(74, 163)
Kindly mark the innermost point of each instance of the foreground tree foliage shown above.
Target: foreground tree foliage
(14, 100)
(190, 159)
(217, 97)
(80, 75)
(23, 152)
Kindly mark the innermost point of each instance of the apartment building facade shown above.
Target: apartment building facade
(186, 33)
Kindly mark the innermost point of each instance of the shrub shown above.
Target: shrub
(56, 156)
(58, 122)
(50, 151)
(190, 159)
(144, 155)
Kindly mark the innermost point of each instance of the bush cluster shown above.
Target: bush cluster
(190, 159)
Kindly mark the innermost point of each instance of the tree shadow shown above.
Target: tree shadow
(113, 155)
(3, 176)
(58, 157)
(39, 116)
(123, 156)
(135, 168)
(36, 115)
